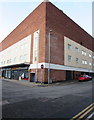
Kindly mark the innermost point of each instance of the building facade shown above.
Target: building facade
(47, 47)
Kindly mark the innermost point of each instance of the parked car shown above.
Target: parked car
(84, 77)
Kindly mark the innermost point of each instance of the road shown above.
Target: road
(59, 101)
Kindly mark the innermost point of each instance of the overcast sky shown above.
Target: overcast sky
(13, 12)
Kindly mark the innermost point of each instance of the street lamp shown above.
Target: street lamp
(49, 55)
(37, 39)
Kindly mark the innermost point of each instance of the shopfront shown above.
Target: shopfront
(16, 73)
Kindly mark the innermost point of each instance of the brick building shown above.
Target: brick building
(47, 46)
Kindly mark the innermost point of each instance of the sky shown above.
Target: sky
(13, 12)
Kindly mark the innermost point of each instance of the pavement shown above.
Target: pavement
(33, 84)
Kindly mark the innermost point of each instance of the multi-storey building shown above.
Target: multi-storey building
(47, 46)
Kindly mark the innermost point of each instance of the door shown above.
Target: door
(32, 76)
(68, 75)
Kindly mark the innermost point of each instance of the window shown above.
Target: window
(69, 58)
(90, 64)
(93, 64)
(76, 49)
(35, 47)
(14, 59)
(4, 62)
(9, 61)
(1, 63)
(25, 45)
(25, 56)
(69, 47)
(90, 55)
(21, 57)
(83, 62)
(22, 46)
(83, 53)
(93, 56)
(77, 60)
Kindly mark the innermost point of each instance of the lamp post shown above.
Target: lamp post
(49, 56)
(37, 39)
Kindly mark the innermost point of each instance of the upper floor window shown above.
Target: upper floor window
(69, 58)
(76, 49)
(90, 55)
(77, 60)
(69, 47)
(90, 64)
(83, 53)
(83, 62)
(14, 60)
(21, 58)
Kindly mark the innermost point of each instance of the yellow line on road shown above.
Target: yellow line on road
(85, 113)
(82, 111)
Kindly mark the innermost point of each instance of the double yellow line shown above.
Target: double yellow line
(83, 113)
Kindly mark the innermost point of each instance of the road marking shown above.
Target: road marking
(82, 111)
(85, 113)
(90, 116)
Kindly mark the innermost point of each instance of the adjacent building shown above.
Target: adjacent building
(47, 47)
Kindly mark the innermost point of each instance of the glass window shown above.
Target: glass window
(69, 47)
(15, 59)
(21, 57)
(90, 64)
(76, 49)
(69, 58)
(83, 53)
(83, 62)
(35, 47)
(90, 55)
(77, 60)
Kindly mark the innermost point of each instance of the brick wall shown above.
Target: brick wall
(35, 21)
(61, 25)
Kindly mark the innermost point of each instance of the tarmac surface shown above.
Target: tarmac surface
(22, 99)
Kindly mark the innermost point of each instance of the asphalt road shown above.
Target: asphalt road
(58, 101)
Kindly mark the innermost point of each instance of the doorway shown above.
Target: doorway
(68, 75)
(32, 77)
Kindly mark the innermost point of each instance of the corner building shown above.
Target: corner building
(47, 47)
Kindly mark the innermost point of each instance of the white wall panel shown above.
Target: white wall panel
(16, 54)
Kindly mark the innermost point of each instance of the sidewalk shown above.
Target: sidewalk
(33, 84)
